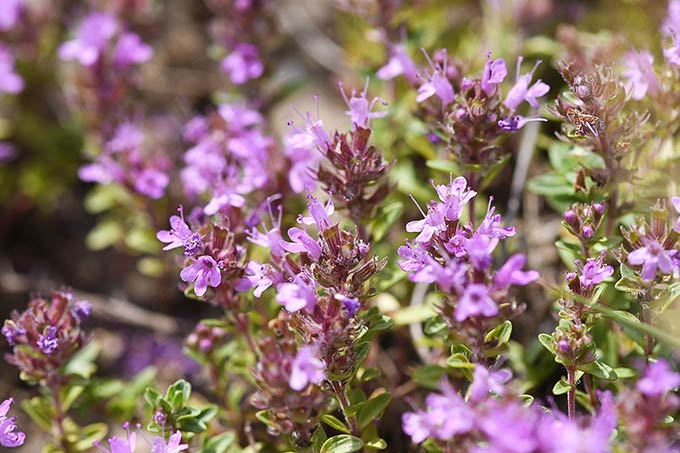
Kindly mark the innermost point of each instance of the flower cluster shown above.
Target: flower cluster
(458, 257)
(494, 419)
(353, 172)
(474, 115)
(46, 335)
(124, 161)
(212, 258)
(229, 159)
(9, 438)
(651, 248)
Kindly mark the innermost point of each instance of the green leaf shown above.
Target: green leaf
(104, 235)
(435, 325)
(501, 332)
(83, 362)
(459, 360)
(378, 444)
(90, 434)
(600, 369)
(265, 417)
(429, 376)
(372, 409)
(335, 423)
(40, 410)
(561, 387)
(344, 443)
(547, 342)
(219, 443)
(368, 374)
(318, 438)
(69, 394)
(625, 373)
(446, 166)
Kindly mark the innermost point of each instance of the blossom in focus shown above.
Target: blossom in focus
(494, 73)
(652, 257)
(205, 271)
(91, 39)
(307, 368)
(243, 64)
(639, 74)
(521, 90)
(10, 81)
(360, 110)
(436, 83)
(9, 438)
(180, 235)
(298, 294)
(594, 271)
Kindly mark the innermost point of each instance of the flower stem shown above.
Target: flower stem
(340, 391)
(59, 417)
(571, 394)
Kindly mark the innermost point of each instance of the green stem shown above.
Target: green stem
(59, 417)
(340, 391)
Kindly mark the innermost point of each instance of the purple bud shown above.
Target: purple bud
(159, 417)
(599, 207)
(587, 231)
(570, 217)
(563, 346)
(205, 345)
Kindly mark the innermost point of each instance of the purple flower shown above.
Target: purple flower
(672, 53)
(81, 310)
(9, 438)
(173, 445)
(243, 64)
(302, 242)
(131, 50)
(360, 111)
(91, 39)
(10, 82)
(437, 83)
(319, 214)
(398, 64)
(454, 196)
(494, 73)
(10, 10)
(485, 381)
(446, 415)
(515, 123)
(222, 201)
(480, 249)
(671, 24)
(180, 235)
(594, 272)
(433, 223)
(652, 257)
(474, 302)
(350, 304)
(511, 273)
(205, 271)
(522, 92)
(48, 342)
(151, 182)
(11, 332)
(639, 74)
(298, 294)
(510, 427)
(307, 368)
(658, 379)
(258, 276)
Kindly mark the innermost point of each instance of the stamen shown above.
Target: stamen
(416, 203)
